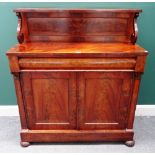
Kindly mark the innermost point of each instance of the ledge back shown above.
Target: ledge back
(77, 25)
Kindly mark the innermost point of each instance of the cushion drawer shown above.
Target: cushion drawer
(77, 63)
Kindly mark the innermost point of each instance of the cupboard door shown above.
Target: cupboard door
(50, 99)
(104, 99)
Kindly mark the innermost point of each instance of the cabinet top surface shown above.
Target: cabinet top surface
(75, 9)
(76, 48)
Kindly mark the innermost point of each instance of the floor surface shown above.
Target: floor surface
(144, 137)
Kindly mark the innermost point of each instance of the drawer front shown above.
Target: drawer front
(77, 63)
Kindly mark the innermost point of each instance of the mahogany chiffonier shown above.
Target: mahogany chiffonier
(77, 74)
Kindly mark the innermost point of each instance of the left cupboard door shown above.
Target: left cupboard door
(50, 99)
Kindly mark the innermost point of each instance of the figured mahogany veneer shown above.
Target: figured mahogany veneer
(77, 25)
(77, 74)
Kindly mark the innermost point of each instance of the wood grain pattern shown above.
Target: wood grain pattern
(14, 65)
(76, 50)
(75, 135)
(53, 104)
(55, 63)
(77, 25)
(77, 74)
(40, 47)
(100, 105)
(20, 101)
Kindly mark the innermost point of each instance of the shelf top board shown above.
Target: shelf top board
(74, 9)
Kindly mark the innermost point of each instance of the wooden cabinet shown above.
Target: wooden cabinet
(77, 74)
(78, 100)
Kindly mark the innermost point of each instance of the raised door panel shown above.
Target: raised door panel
(104, 99)
(50, 100)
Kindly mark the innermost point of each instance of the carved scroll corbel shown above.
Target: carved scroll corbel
(20, 35)
(134, 35)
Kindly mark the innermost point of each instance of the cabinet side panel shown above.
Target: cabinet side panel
(20, 100)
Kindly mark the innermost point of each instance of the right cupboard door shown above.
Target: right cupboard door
(104, 99)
